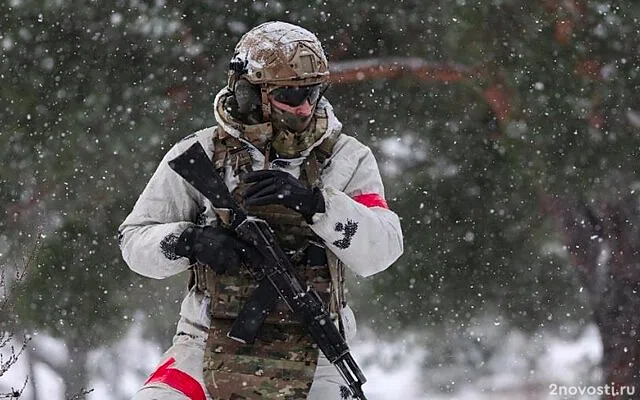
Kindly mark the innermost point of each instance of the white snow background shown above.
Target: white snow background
(560, 362)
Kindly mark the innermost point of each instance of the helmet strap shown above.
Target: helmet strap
(266, 105)
(267, 153)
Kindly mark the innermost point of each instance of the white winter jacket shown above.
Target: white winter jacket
(353, 193)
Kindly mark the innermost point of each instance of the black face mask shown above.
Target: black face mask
(295, 95)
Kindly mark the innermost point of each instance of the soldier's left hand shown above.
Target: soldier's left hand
(279, 187)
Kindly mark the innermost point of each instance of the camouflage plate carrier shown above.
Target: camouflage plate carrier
(282, 361)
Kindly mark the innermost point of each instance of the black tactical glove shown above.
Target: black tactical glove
(217, 247)
(279, 187)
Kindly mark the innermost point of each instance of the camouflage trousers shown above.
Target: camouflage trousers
(179, 375)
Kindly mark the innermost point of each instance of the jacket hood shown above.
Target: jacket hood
(259, 134)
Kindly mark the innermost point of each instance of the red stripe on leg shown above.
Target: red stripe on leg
(179, 380)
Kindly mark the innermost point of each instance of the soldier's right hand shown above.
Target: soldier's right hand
(217, 247)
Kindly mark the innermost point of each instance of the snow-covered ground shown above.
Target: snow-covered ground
(393, 368)
(516, 371)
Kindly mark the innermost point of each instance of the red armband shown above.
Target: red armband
(371, 200)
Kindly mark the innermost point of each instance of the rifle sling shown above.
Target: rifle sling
(256, 309)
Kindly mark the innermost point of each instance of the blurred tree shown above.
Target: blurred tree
(555, 78)
(79, 95)
(566, 66)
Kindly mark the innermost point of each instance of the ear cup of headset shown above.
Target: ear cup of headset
(248, 97)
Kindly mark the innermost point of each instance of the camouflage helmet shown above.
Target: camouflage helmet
(279, 54)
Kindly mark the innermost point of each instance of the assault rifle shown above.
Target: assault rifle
(275, 274)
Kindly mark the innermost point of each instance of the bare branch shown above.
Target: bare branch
(15, 393)
(20, 273)
(6, 338)
(395, 67)
(7, 362)
(495, 94)
(81, 394)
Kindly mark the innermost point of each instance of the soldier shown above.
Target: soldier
(279, 148)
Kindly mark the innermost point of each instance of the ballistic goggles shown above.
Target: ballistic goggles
(295, 95)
